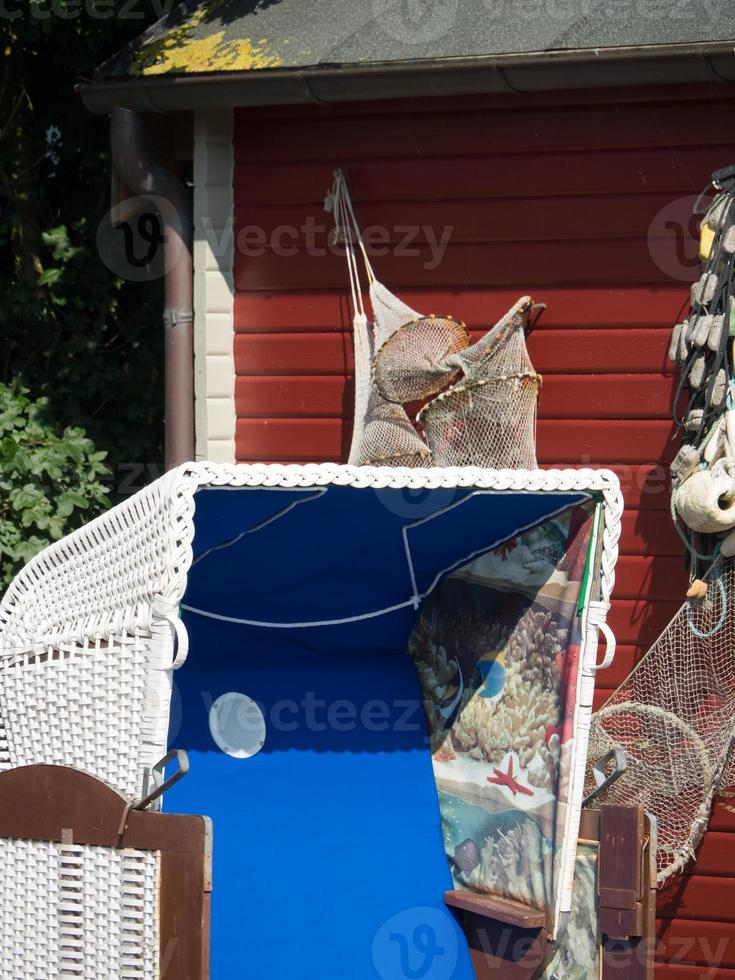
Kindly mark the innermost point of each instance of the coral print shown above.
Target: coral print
(497, 648)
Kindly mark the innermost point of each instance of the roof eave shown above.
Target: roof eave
(525, 72)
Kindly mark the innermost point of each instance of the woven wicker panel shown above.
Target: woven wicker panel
(4, 748)
(77, 911)
(82, 707)
(107, 572)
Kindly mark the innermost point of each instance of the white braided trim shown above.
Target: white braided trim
(105, 577)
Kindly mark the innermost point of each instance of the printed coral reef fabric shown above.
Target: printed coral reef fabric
(497, 647)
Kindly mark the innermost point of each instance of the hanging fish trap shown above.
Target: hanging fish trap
(382, 432)
(387, 438)
(488, 418)
(412, 365)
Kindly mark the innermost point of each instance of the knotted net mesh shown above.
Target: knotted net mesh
(488, 418)
(412, 364)
(382, 433)
(674, 717)
(388, 438)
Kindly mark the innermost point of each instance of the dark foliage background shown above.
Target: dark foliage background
(81, 350)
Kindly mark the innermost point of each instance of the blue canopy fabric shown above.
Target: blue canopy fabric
(328, 854)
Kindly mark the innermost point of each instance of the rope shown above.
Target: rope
(347, 227)
(718, 626)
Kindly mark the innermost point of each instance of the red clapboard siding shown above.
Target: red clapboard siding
(637, 621)
(499, 102)
(553, 351)
(560, 440)
(647, 532)
(698, 897)
(655, 576)
(580, 199)
(570, 173)
(626, 657)
(473, 133)
(671, 971)
(715, 855)
(707, 944)
(400, 224)
(723, 816)
(579, 306)
(605, 261)
(586, 396)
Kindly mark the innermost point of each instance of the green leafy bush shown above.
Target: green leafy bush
(50, 479)
(81, 356)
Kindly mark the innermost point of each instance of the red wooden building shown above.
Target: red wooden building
(479, 175)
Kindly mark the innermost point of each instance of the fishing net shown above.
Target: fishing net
(388, 438)
(412, 363)
(488, 418)
(382, 432)
(674, 717)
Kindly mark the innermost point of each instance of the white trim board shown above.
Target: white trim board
(214, 358)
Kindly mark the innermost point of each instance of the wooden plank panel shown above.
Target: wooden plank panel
(498, 101)
(289, 396)
(600, 351)
(562, 397)
(651, 576)
(600, 697)
(553, 351)
(723, 816)
(614, 262)
(640, 623)
(560, 441)
(649, 532)
(469, 131)
(598, 443)
(715, 855)
(672, 971)
(710, 944)
(700, 897)
(403, 224)
(626, 657)
(578, 306)
(292, 440)
(666, 169)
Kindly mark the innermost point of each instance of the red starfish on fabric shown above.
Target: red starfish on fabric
(507, 779)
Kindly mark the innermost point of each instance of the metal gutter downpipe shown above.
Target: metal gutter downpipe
(131, 159)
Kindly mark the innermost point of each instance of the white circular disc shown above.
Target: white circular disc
(237, 725)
